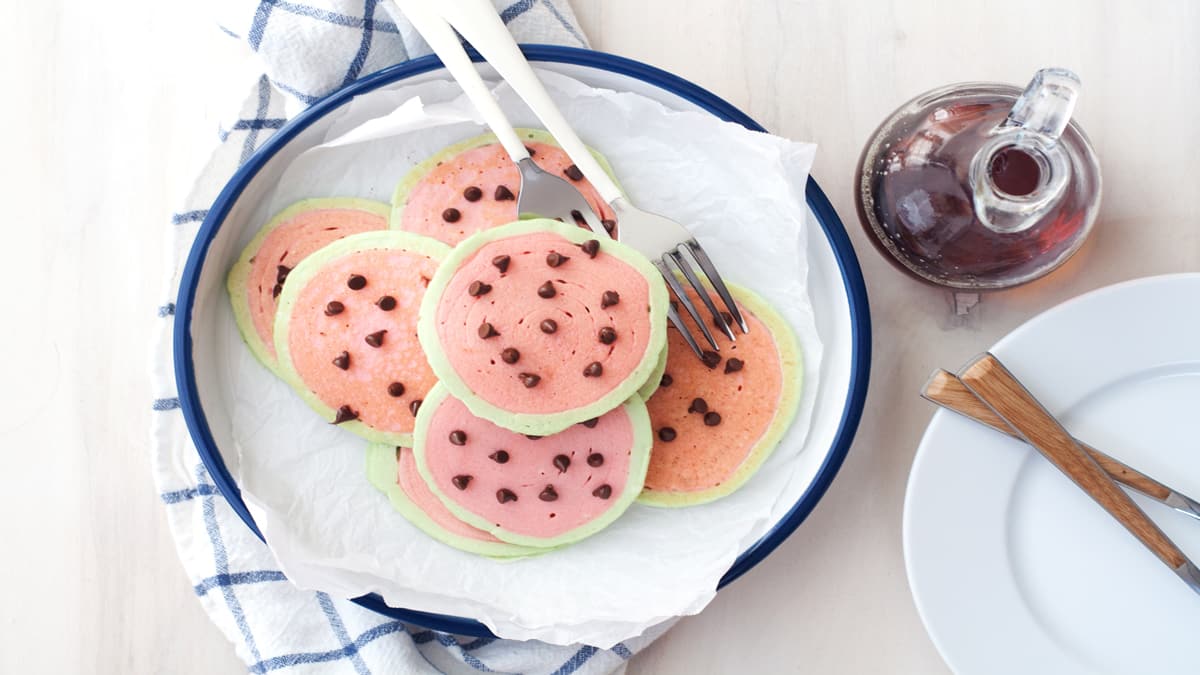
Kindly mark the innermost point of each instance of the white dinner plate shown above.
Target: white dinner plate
(1013, 568)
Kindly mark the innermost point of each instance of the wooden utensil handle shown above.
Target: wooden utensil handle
(989, 380)
(945, 389)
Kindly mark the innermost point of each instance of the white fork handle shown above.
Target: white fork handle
(445, 44)
(478, 22)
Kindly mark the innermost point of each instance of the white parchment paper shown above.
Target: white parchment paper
(740, 192)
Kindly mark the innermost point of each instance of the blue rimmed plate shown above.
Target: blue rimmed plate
(835, 286)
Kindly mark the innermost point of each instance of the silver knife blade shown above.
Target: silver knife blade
(1182, 503)
(945, 390)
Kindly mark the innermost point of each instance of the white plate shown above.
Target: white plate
(1016, 570)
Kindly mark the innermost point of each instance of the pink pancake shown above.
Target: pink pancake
(747, 400)
(286, 245)
(315, 339)
(529, 469)
(516, 311)
(418, 492)
(488, 168)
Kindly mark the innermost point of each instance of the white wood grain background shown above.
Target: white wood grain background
(110, 108)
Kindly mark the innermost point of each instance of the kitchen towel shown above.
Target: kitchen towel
(307, 49)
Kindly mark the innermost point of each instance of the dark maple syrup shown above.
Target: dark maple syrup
(943, 160)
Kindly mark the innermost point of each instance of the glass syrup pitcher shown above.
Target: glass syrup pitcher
(980, 187)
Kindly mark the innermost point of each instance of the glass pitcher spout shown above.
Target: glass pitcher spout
(1021, 172)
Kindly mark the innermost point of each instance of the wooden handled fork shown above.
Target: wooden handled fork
(993, 384)
(945, 389)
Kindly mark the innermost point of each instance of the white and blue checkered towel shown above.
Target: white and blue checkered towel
(309, 48)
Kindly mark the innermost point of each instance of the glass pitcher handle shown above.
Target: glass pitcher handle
(1045, 106)
(1033, 126)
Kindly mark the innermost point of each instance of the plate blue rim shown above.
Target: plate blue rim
(825, 215)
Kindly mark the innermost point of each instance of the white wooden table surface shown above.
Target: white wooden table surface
(109, 108)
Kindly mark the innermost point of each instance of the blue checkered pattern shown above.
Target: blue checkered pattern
(309, 49)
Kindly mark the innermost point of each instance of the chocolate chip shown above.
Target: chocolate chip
(276, 290)
(554, 258)
(712, 419)
(487, 330)
(533, 437)
(472, 194)
(396, 389)
(503, 194)
(548, 494)
(478, 288)
(577, 216)
(345, 414)
(607, 335)
(710, 359)
(458, 437)
(501, 263)
(734, 365)
(375, 339)
(561, 462)
(281, 272)
(609, 225)
(667, 434)
(595, 459)
(510, 355)
(387, 303)
(547, 290)
(591, 424)
(609, 298)
(603, 492)
(499, 456)
(573, 172)
(451, 215)
(333, 308)
(548, 326)
(530, 380)
(414, 406)
(593, 369)
(698, 405)
(356, 282)
(591, 247)
(342, 360)
(461, 481)
(666, 380)
(728, 320)
(530, 150)
(504, 495)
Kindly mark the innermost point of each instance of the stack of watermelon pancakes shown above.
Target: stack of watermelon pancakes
(516, 378)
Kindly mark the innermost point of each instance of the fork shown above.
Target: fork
(999, 389)
(946, 390)
(541, 193)
(669, 245)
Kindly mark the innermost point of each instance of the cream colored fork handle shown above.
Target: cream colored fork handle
(478, 22)
(445, 44)
(1000, 390)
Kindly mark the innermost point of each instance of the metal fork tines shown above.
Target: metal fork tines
(544, 194)
(660, 239)
(541, 193)
(676, 254)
